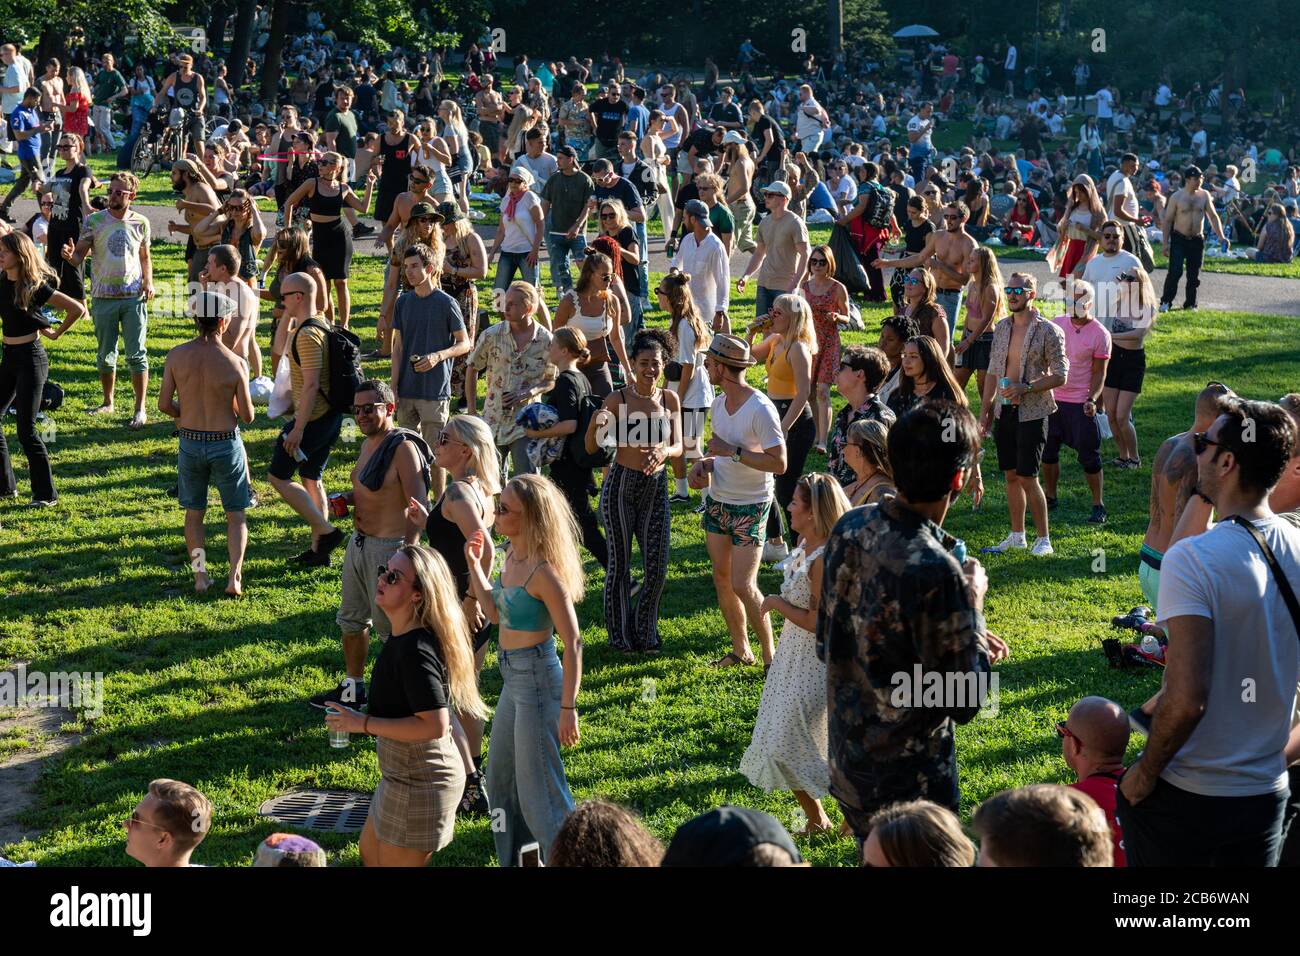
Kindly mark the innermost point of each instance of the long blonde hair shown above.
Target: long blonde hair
(801, 327)
(474, 434)
(549, 532)
(77, 81)
(682, 309)
(989, 274)
(32, 270)
(441, 614)
(826, 501)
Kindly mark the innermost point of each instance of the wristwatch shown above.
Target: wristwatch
(736, 456)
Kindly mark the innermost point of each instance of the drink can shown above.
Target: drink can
(1005, 383)
(338, 504)
(339, 739)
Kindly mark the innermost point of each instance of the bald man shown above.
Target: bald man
(1093, 740)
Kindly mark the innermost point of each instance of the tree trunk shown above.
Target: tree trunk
(217, 25)
(242, 43)
(835, 27)
(274, 66)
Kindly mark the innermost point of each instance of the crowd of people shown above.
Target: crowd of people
(593, 393)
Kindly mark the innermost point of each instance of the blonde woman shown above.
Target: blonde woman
(867, 452)
(830, 308)
(432, 151)
(456, 136)
(425, 671)
(464, 263)
(654, 150)
(986, 302)
(331, 240)
(789, 746)
(788, 351)
(1128, 361)
(694, 390)
(76, 103)
(537, 589)
(1079, 229)
(466, 451)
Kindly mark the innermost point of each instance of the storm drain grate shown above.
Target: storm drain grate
(337, 811)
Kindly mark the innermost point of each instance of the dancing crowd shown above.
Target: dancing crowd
(471, 501)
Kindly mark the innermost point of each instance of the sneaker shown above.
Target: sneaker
(699, 509)
(1164, 306)
(329, 542)
(1042, 548)
(1140, 721)
(1098, 515)
(43, 503)
(335, 696)
(4, 214)
(775, 552)
(1051, 504)
(1006, 544)
(675, 498)
(1190, 308)
(362, 230)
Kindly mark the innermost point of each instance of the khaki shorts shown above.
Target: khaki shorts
(427, 416)
(361, 562)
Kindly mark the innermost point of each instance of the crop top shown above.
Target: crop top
(322, 205)
(19, 322)
(519, 610)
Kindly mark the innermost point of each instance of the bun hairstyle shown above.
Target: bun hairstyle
(574, 342)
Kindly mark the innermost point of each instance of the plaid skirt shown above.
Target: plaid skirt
(420, 785)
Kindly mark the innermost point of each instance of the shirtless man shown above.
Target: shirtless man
(945, 255)
(51, 107)
(740, 179)
(420, 181)
(491, 108)
(221, 274)
(205, 387)
(380, 496)
(198, 200)
(1183, 237)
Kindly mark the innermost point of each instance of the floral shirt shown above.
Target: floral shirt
(509, 369)
(1041, 353)
(873, 407)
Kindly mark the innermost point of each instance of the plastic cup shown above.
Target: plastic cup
(339, 739)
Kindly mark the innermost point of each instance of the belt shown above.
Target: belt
(1183, 235)
(1148, 558)
(193, 435)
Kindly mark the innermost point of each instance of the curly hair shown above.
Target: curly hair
(648, 339)
(602, 834)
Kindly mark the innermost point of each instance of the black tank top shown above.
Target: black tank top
(322, 205)
(397, 161)
(446, 538)
(187, 94)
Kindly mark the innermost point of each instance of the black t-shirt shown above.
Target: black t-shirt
(764, 123)
(570, 387)
(631, 275)
(409, 677)
(18, 321)
(686, 194)
(702, 140)
(914, 236)
(67, 214)
(725, 113)
(623, 191)
(610, 119)
(640, 175)
(901, 195)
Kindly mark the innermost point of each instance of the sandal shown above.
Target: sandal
(730, 659)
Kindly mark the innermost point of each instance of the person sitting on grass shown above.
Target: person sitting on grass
(917, 833)
(1093, 740)
(732, 836)
(1042, 825)
(602, 834)
(168, 825)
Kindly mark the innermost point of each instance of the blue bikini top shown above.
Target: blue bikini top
(518, 609)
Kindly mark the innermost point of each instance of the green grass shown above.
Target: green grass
(211, 691)
(155, 188)
(1280, 270)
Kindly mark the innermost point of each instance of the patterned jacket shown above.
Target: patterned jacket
(1042, 353)
(895, 605)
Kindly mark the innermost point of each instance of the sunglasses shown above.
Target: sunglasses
(134, 821)
(911, 280)
(1202, 441)
(285, 295)
(1110, 235)
(1064, 731)
(64, 146)
(1014, 289)
(512, 179)
(603, 215)
(416, 180)
(389, 577)
(661, 291)
(445, 439)
(120, 192)
(359, 410)
(816, 262)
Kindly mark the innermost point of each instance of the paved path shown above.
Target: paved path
(1225, 291)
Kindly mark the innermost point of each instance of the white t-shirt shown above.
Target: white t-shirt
(1010, 62)
(1100, 273)
(1163, 95)
(917, 124)
(1119, 184)
(699, 393)
(806, 125)
(542, 168)
(521, 230)
(1104, 101)
(755, 427)
(1125, 122)
(1236, 748)
(13, 77)
(1198, 143)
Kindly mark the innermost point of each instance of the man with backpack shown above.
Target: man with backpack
(306, 441)
(871, 223)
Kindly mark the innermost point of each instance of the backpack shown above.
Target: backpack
(588, 406)
(344, 364)
(881, 208)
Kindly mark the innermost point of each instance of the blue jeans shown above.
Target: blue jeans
(562, 249)
(525, 776)
(139, 119)
(763, 299)
(951, 302)
(643, 271)
(512, 262)
(917, 161)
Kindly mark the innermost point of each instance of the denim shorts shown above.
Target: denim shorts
(221, 463)
(318, 440)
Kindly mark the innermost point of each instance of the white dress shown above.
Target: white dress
(789, 747)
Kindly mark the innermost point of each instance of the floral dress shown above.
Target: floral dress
(465, 293)
(788, 750)
(827, 362)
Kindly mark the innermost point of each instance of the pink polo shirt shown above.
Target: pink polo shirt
(1083, 343)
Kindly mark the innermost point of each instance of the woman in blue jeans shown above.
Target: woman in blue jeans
(534, 599)
(27, 287)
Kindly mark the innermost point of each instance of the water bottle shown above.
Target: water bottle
(959, 551)
(1004, 382)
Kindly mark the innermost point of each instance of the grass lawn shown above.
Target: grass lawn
(212, 691)
(1281, 270)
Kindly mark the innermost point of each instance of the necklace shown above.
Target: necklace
(654, 392)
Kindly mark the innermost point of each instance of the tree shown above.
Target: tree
(242, 42)
(273, 66)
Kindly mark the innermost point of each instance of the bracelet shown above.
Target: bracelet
(365, 726)
(574, 707)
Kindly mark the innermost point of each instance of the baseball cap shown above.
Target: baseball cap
(697, 208)
(781, 189)
(449, 211)
(567, 150)
(1191, 171)
(208, 305)
(732, 137)
(727, 836)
